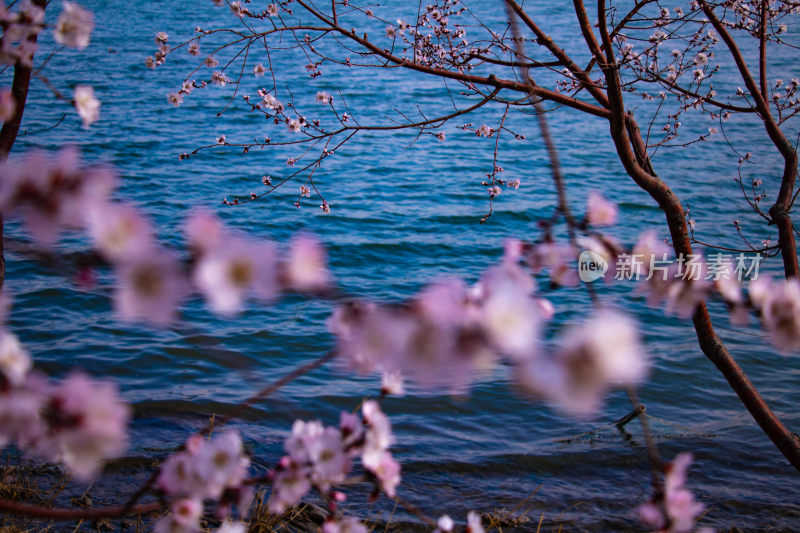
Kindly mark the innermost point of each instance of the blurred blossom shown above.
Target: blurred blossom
(184, 517)
(558, 259)
(599, 211)
(232, 527)
(120, 231)
(306, 267)
(445, 525)
(392, 383)
(235, 269)
(206, 469)
(15, 362)
(204, 231)
(51, 192)
(474, 524)
(86, 104)
(344, 525)
(74, 26)
(151, 287)
(679, 504)
(594, 356)
(87, 424)
(780, 311)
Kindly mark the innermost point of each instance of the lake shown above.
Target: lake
(403, 213)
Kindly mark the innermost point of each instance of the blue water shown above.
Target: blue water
(403, 213)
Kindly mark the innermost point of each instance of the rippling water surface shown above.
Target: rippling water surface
(403, 213)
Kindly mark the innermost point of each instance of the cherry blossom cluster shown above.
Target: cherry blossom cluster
(449, 331)
(78, 422)
(317, 457)
(778, 302)
(73, 29)
(321, 457)
(20, 30)
(52, 193)
(747, 15)
(215, 469)
(434, 41)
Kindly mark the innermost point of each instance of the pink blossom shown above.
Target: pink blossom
(681, 508)
(204, 231)
(175, 99)
(119, 231)
(683, 296)
(378, 435)
(88, 424)
(51, 193)
(150, 288)
(270, 101)
(351, 428)
(322, 450)
(759, 289)
(474, 523)
(222, 463)
(484, 131)
(546, 308)
(599, 211)
(227, 273)
(598, 354)
(74, 26)
(15, 362)
(509, 313)
(306, 268)
(211, 62)
(392, 383)
(237, 9)
(86, 104)
(194, 48)
(21, 410)
(290, 484)
(558, 259)
(324, 97)
(387, 470)
(184, 517)
(295, 125)
(220, 78)
(445, 524)
(259, 70)
(272, 10)
(368, 335)
(780, 311)
(206, 468)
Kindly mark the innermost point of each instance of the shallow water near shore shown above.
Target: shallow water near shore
(403, 213)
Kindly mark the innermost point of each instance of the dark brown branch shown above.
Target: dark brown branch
(762, 50)
(625, 134)
(38, 511)
(783, 203)
(546, 41)
(10, 129)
